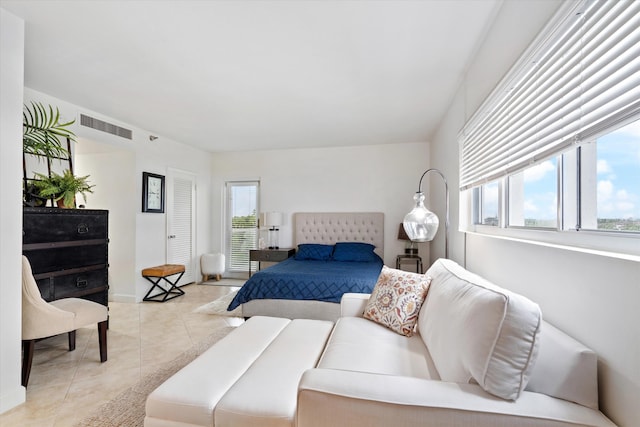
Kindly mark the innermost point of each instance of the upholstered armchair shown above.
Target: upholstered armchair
(41, 319)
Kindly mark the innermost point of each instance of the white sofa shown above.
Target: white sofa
(481, 356)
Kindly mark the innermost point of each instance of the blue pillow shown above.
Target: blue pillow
(355, 252)
(313, 251)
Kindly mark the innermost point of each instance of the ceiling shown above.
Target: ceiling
(252, 75)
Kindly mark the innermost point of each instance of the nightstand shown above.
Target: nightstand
(400, 259)
(269, 255)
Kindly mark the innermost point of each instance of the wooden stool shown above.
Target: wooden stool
(162, 272)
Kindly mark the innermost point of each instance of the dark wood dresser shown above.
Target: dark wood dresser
(68, 252)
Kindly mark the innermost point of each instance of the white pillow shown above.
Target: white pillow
(478, 332)
(565, 369)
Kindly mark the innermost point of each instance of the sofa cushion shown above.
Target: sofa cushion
(265, 395)
(565, 369)
(357, 344)
(477, 331)
(188, 398)
(396, 299)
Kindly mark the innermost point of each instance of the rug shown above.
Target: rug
(219, 306)
(224, 282)
(127, 409)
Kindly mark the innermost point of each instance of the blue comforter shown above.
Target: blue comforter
(309, 280)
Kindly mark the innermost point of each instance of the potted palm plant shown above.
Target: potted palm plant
(42, 130)
(62, 188)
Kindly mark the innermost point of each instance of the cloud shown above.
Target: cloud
(605, 190)
(541, 206)
(603, 166)
(614, 203)
(537, 172)
(530, 207)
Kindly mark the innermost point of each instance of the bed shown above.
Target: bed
(312, 288)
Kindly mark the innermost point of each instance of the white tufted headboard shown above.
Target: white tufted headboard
(331, 227)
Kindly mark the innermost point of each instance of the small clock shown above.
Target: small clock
(152, 193)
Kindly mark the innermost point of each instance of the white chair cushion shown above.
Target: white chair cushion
(85, 312)
(476, 331)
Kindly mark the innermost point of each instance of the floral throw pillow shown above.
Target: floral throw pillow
(396, 299)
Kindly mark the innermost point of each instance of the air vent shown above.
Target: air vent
(103, 126)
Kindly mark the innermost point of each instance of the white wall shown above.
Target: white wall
(112, 171)
(593, 298)
(151, 229)
(374, 178)
(11, 82)
(136, 240)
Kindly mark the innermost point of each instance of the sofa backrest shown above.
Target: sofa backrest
(565, 369)
(478, 332)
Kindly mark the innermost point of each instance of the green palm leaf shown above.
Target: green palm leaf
(42, 131)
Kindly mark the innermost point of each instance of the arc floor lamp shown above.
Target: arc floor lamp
(421, 225)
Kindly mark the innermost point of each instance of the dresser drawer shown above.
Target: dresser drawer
(45, 285)
(101, 297)
(63, 258)
(62, 225)
(79, 284)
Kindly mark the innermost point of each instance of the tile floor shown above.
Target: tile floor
(65, 386)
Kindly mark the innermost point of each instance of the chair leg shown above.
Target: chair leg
(102, 337)
(27, 360)
(72, 340)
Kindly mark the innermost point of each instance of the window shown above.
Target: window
(556, 147)
(489, 196)
(533, 196)
(611, 175)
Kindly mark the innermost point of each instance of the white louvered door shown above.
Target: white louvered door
(181, 189)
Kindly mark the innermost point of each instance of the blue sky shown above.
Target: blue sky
(244, 200)
(618, 178)
(619, 173)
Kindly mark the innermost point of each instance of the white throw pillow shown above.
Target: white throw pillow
(479, 332)
(565, 369)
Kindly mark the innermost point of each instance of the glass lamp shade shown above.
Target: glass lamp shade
(421, 224)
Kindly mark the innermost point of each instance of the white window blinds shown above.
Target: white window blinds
(582, 74)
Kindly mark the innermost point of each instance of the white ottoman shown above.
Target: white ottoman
(212, 265)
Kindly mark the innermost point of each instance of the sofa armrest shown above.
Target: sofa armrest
(353, 304)
(328, 397)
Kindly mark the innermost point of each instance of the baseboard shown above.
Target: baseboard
(122, 298)
(13, 398)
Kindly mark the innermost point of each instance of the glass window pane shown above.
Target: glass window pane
(489, 204)
(242, 235)
(618, 179)
(533, 196)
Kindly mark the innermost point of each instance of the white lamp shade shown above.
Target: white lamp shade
(421, 225)
(273, 219)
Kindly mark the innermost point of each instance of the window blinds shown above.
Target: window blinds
(582, 75)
